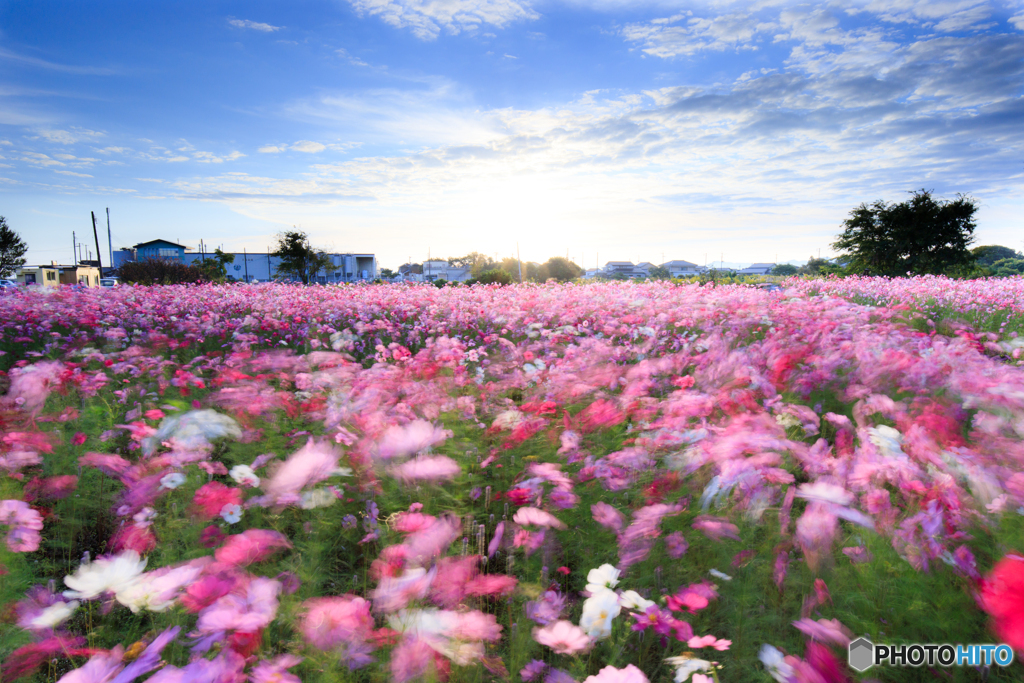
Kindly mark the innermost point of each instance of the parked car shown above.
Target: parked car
(8, 283)
(109, 282)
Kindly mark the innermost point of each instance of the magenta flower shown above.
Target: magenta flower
(25, 525)
(250, 546)
(675, 545)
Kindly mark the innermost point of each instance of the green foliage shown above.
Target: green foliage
(491, 277)
(214, 266)
(784, 269)
(477, 263)
(920, 236)
(659, 273)
(156, 271)
(1008, 266)
(988, 254)
(299, 259)
(560, 269)
(12, 250)
(440, 282)
(387, 273)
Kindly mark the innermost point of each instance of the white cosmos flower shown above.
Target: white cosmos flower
(317, 498)
(719, 575)
(605, 576)
(687, 666)
(774, 661)
(112, 573)
(244, 475)
(633, 600)
(599, 610)
(172, 480)
(232, 513)
(54, 614)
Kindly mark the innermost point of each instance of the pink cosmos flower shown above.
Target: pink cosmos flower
(610, 674)
(309, 465)
(491, 584)
(716, 528)
(607, 516)
(563, 637)
(210, 499)
(50, 488)
(79, 438)
(537, 517)
(429, 468)
(675, 545)
(252, 545)
(206, 591)
(276, 670)
(409, 522)
(25, 524)
(709, 641)
(410, 439)
(825, 630)
(453, 575)
(247, 611)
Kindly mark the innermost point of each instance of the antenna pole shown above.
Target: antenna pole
(95, 234)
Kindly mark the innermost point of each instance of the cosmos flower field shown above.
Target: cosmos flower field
(594, 483)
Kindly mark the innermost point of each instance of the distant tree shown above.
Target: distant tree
(534, 272)
(476, 262)
(215, 266)
(814, 266)
(659, 273)
(160, 271)
(784, 269)
(921, 235)
(12, 250)
(298, 258)
(987, 255)
(561, 269)
(496, 276)
(387, 273)
(1008, 266)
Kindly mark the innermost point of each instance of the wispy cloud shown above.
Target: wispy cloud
(69, 137)
(54, 66)
(254, 25)
(427, 20)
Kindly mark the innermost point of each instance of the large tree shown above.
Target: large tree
(921, 235)
(298, 258)
(12, 250)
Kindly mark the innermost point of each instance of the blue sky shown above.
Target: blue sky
(607, 129)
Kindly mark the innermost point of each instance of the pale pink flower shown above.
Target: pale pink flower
(309, 465)
(709, 641)
(410, 439)
(563, 637)
(276, 670)
(825, 630)
(610, 674)
(537, 517)
(607, 516)
(491, 584)
(426, 468)
(25, 525)
(716, 528)
(247, 612)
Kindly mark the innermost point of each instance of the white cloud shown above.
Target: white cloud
(5, 142)
(254, 25)
(344, 54)
(77, 175)
(69, 137)
(210, 158)
(684, 34)
(271, 149)
(308, 146)
(427, 18)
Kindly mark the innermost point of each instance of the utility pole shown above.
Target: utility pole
(96, 236)
(74, 247)
(245, 259)
(521, 263)
(110, 241)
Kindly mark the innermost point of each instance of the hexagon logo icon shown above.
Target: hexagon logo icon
(862, 654)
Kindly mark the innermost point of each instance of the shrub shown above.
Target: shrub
(160, 272)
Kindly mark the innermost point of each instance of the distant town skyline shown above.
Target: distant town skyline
(617, 130)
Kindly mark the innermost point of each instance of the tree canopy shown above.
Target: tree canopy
(298, 259)
(214, 266)
(921, 235)
(12, 250)
(784, 269)
(988, 254)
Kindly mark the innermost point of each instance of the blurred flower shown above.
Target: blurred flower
(1002, 597)
(210, 498)
(532, 670)
(537, 517)
(547, 608)
(775, 663)
(79, 438)
(610, 674)
(211, 537)
(410, 439)
(250, 546)
(563, 637)
(709, 641)
(426, 468)
(111, 573)
(675, 545)
(243, 474)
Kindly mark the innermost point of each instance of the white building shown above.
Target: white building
(757, 269)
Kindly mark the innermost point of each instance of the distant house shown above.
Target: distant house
(43, 276)
(757, 269)
(82, 274)
(682, 268)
